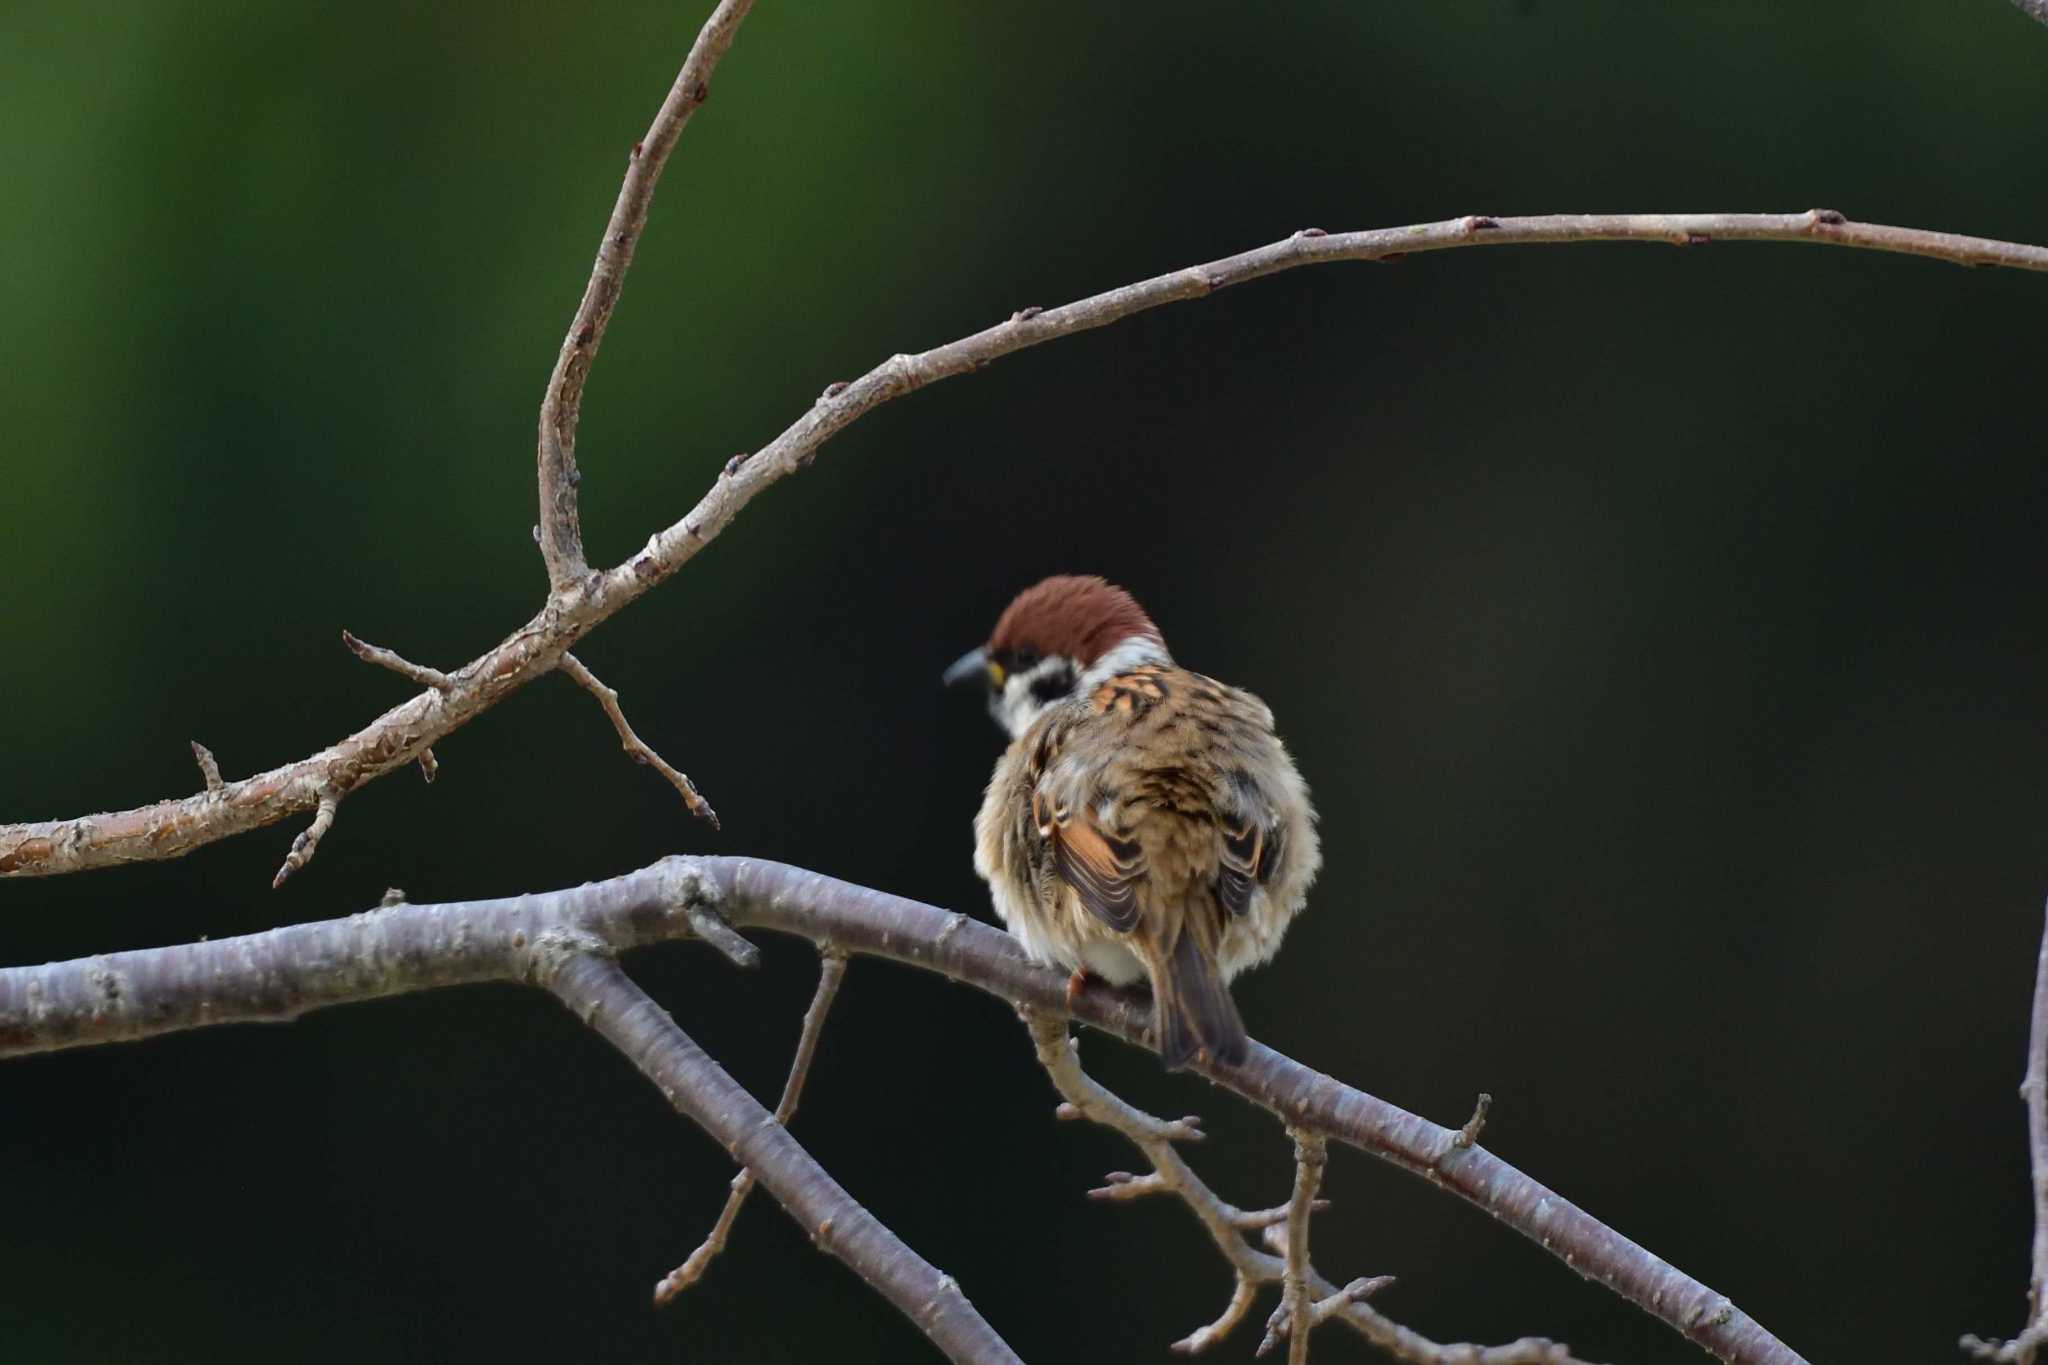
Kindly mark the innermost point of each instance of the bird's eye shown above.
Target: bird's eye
(1023, 659)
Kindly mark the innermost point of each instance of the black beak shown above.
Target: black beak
(969, 667)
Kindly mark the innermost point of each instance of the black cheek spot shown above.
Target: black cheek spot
(1052, 685)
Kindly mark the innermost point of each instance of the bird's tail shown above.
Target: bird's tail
(1192, 1010)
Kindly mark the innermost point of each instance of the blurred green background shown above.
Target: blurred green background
(1660, 631)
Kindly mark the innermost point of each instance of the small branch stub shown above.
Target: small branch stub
(209, 768)
(1475, 1125)
(707, 925)
(308, 842)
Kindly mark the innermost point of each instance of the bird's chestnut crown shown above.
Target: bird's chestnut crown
(1055, 639)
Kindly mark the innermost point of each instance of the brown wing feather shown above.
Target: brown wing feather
(1103, 870)
(1238, 863)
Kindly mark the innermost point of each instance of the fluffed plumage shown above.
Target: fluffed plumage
(1145, 820)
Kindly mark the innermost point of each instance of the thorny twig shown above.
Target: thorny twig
(1227, 1224)
(831, 970)
(2025, 1348)
(635, 746)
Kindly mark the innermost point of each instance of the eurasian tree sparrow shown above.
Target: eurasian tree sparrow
(1145, 820)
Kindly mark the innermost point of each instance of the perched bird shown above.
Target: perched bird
(1145, 821)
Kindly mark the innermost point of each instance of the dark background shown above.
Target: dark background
(1660, 632)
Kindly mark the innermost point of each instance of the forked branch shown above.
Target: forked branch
(559, 531)
(1227, 1226)
(578, 604)
(1295, 1316)
(284, 972)
(598, 991)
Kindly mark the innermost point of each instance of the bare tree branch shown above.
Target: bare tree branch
(2026, 1347)
(597, 991)
(560, 531)
(2037, 10)
(1226, 1224)
(170, 829)
(831, 970)
(1296, 1309)
(405, 733)
(281, 973)
(635, 746)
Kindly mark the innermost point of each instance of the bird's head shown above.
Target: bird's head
(1058, 639)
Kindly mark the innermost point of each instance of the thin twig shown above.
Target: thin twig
(597, 991)
(282, 973)
(397, 663)
(2026, 1347)
(1297, 1310)
(209, 766)
(831, 970)
(638, 748)
(170, 829)
(561, 533)
(1226, 1224)
(308, 842)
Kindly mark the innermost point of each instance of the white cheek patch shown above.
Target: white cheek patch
(1019, 705)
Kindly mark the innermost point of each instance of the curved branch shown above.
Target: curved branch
(169, 829)
(560, 531)
(283, 972)
(599, 993)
